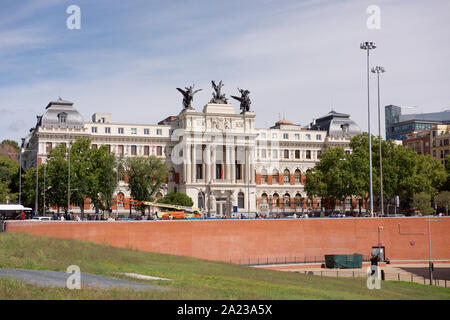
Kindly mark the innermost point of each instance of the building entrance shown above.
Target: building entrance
(222, 208)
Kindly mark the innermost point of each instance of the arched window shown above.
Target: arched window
(298, 200)
(275, 177)
(62, 117)
(264, 199)
(287, 201)
(263, 177)
(286, 176)
(241, 200)
(200, 201)
(275, 200)
(298, 176)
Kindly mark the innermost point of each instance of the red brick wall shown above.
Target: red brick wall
(252, 239)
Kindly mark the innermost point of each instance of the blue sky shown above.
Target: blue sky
(299, 59)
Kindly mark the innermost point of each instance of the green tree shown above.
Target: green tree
(443, 200)
(29, 188)
(146, 175)
(57, 176)
(177, 198)
(422, 201)
(9, 176)
(83, 175)
(12, 143)
(405, 172)
(105, 178)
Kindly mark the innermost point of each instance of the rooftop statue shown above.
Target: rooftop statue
(188, 96)
(244, 99)
(218, 97)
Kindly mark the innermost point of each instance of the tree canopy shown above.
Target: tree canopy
(146, 176)
(177, 198)
(405, 172)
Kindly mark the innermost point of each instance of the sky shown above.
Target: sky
(298, 59)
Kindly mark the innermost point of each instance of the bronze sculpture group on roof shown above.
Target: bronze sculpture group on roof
(218, 96)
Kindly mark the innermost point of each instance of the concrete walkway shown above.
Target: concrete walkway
(59, 279)
(417, 273)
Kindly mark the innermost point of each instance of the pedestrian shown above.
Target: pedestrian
(22, 215)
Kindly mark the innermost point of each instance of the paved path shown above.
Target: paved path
(404, 272)
(59, 279)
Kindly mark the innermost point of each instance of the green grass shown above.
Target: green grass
(192, 278)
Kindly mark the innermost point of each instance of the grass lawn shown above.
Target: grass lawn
(192, 278)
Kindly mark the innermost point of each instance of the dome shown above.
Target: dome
(61, 113)
(284, 121)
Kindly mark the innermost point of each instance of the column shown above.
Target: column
(233, 164)
(187, 160)
(213, 163)
(228, 162)
(207, 165)
(252, 166)
(194, 163)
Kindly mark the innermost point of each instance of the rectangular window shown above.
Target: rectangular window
(133, 131)
(286, 154)
(146, 150)
(319, 154)
(120, 130)
(199, 171)
(48, 147)
(307, 136)
(274, 135)
(263, 135)
(120, 149)
(318, 137)
(297, 136)
(264, 179)
(263, 153)
(108, 147)
(94, 146)
(274, 154)
(219, 171)
(238, 171)
(147, 131)
(285, 136)
(133, 150)
(159, 132)
(107, 130)
(94, 129)
(297, 154)
(446, 142)
(308, 154)
(159, 151)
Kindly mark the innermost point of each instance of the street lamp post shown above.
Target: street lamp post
(369, 46)
(378, 70)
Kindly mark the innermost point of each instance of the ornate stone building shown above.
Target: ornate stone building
(216, 156)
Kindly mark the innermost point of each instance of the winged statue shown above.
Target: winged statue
(188, 95)
(244, 99)
(218, 96)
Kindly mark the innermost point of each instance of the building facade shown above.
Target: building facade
(217, 156)
(398, 125)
